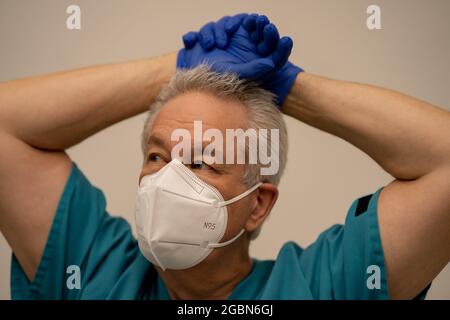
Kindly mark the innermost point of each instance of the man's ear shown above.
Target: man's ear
(266, 198)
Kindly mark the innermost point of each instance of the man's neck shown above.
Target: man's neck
(214, 278)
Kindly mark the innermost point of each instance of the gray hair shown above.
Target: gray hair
(259, 103)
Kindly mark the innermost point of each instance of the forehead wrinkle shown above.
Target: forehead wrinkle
(205, 106)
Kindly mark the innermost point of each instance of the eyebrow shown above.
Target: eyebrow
(157, 141)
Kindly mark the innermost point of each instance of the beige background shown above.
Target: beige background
(324, 174)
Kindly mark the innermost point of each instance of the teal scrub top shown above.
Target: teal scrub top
(111, 266)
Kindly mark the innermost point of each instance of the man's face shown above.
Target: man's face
(214, 113)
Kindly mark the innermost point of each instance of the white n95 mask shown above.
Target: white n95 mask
(180, 218)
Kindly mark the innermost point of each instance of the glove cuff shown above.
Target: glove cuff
(285, 83)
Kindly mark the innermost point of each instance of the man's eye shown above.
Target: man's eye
(197, 165)
(153, 157)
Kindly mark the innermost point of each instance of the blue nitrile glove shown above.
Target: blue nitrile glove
(281, 82)
(225, 46)
(266, 43)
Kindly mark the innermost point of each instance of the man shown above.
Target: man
(53, 218)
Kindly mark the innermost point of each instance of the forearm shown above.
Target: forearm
(407, 137)
(59, 110)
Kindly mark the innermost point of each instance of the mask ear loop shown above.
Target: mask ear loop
(206, 244)
(218, 204)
